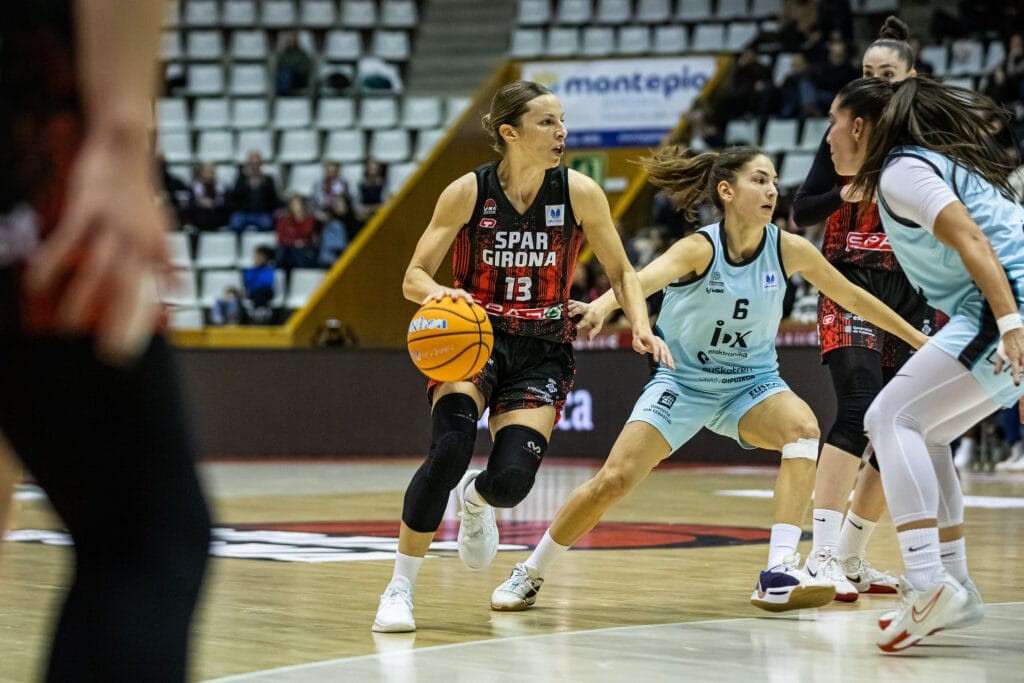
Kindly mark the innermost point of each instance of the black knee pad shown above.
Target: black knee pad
(451, 448)
(512, 467)
(857, 379)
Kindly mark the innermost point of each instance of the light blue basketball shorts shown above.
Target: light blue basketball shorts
(679, 411)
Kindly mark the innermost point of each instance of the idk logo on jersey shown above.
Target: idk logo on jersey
(554, 215)
(770, 281)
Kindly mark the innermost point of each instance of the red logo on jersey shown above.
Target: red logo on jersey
(868, 241)
(490, 207)
(488, 222)
(827, 320)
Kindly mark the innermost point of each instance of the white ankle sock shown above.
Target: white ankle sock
(921, 556)
(783, 543)
(407, 566)
(826, 531)
(543, 556)
(472, 497)
(853, 540)
(954, 558)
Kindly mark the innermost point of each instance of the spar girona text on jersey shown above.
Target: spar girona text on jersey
(519, 266)
(854, 236)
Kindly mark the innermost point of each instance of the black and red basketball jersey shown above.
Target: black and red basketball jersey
(854, 236)
(519, 266)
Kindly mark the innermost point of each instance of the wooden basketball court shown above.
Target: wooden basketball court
(303, 550)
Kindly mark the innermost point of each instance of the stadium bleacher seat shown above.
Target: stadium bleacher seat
(303, 282)
(216, 250)
(634, 40)
(399, 14)
(613, 12)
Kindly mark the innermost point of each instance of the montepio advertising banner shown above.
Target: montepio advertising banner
(623, 102)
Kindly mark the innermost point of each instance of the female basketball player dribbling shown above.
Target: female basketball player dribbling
(721, 312)
(517, 225)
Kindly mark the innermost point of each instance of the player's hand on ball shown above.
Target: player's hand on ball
(453, 294)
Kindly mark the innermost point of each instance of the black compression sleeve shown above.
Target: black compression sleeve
(819, 196)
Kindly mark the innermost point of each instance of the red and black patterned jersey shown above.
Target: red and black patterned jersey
(854, 236)
(41, 126)
(519, 266)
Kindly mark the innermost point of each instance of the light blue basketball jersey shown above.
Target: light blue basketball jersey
(937, 269)
(721, 327)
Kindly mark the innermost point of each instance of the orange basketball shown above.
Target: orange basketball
(450, 340)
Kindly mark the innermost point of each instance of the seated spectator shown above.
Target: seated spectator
(324, 191)
(751, 91)
(259, 285)
(836, 72)
(371, 190)
(294, 67)
(334, 237)
(254, 198)
(798, 25)
(228, 309)
(798, 96)
(295, 233)
(209, 199)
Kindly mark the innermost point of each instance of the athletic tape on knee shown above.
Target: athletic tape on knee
(803, 448)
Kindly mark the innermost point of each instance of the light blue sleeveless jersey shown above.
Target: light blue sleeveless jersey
(721, 327)
(937, 269)
(971, 334)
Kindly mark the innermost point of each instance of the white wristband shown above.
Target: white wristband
(1010, 321)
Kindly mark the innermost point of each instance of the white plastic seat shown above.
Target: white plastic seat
(994, 55)
(390, 45)
(345, 146)
(216, 250)
(421, 112)
(613, 12)
(206, 79)
(670, 39)
(248, 79)
(634, 40)
(279, 287)
(813, 132)
(238, 13)
(374, 68)
(740, 34)
(795, 166)
(534, 13)
(694, 11)
(212, 284)
(731, 9)
(317, 13)
(303, 177)
(170, 46)
(278, 13)
(292, 112)
(211, 112)
(398, 174)
(249, 112)
(378, 112)
(304, 281)
(741, 131)
(573, 12)
(227, 174)
(598, 41)
(176, 146)
(204, 45)
(527, 42)
(426, 140)
(937, 56)
(171, 13)
(335, 112)
(177, 245)
(879, 6)
(186, 318)
(765, 9)
(782, 67)
(390, 146)
(358, 13)
(182, 292)
(252, 239)
(172, 114)
(216, 145)
(201, 13)
(454, 107)
(343, 45)
(653, 11)
(966, 58)
(562, 41)
(399, 14)
(780, 135)
(298, 145)
(249, 45)
(254, 139)
(708, 38)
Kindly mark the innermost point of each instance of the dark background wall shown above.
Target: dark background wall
(372, 403)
